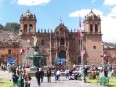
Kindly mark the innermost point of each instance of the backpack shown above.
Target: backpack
(15, 78)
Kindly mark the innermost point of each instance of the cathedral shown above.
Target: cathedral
(64, 43)
(61, 44)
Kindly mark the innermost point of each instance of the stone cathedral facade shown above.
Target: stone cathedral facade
(64, 42)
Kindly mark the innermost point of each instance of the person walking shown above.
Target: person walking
(38, 76)
(58, 74)
(27, 79)
(42, 75)
(66, 73)
(49, 75)
(14, 79)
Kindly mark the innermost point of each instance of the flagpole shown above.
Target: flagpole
(84, 79)
(81, 50)
(50, 49)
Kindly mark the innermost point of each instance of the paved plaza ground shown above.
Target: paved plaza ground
(62, 83)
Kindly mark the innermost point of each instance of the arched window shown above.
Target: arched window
(62, 41)
(30, 27)
(96, 28)
(25, 28)
(9, 51)
(42, 42)
(91, 28)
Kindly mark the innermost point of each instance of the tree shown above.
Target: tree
(1, 26)
(13, 27)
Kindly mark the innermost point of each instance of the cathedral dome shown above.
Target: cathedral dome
(61, 26)
(91, 13)
(28, 14)
(92, 16)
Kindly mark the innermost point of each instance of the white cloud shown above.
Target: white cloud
(33, 2)
(108, 29)
(84, 12)
(113, 12)
(109, 2)
(108, 23)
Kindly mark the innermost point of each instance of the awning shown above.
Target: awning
(60, 60)
(11, 60)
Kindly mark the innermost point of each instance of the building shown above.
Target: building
(65, 43)
(9, 47)
(62, 43)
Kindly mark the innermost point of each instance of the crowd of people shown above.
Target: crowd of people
(71, 73)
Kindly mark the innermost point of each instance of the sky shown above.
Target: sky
(49, 13)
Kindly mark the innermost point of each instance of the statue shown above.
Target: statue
(34, 40)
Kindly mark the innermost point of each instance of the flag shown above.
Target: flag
(79, 32)
(84, 53)
(79, 21)
(60, 19)
(22, 51)
(104, 55)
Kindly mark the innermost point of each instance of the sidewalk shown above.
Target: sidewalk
(5, 74)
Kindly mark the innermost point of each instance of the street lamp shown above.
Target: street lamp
(20, 33)
(28, 41)
(102, 54)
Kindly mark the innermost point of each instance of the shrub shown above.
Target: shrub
(92, 75)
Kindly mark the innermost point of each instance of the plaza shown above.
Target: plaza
(62, 83)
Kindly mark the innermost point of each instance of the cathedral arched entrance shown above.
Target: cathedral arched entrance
(61, 59)
(62, 54)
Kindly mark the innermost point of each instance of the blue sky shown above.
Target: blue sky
(48, 13)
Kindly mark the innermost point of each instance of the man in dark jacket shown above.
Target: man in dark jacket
(38, 76)
(42, 75)
(49, 75)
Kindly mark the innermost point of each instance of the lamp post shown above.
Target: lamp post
(82, 61)
(20, 80)
(67, 56)
(102, 54)
(20, 33)
(28, 41)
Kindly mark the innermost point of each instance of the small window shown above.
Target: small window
(91, 28)
(62, 41)
(42, 42)
(25, 28)
(94, 47)
(9, 51)
(96, 28)
(30, 27)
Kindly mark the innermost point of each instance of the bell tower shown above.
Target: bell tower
(93, 38)
(28, 23)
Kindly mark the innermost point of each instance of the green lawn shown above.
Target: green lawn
(112, 82)
(5, 83)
